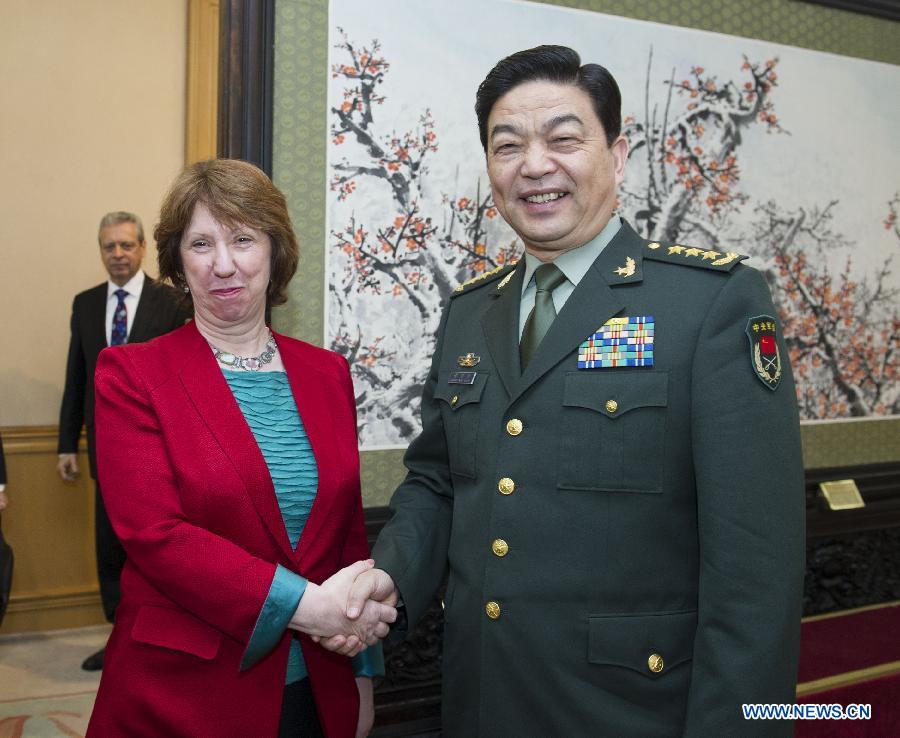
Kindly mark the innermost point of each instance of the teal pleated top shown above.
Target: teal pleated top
(266, 400)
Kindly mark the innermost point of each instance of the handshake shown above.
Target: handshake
(350, 610)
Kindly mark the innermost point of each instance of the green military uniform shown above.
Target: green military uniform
(624, 543)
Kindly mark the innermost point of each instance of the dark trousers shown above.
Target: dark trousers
(110, 559)
(299, 718)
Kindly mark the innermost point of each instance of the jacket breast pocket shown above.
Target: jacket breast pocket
(460, 408)
(176, 630)
(613, 431)
(651, 644)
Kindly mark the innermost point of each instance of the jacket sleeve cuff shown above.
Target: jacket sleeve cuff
(284, 595)
(369, 663)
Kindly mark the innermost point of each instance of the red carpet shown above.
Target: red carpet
(852, 658)
(884, 696)
(858, 640)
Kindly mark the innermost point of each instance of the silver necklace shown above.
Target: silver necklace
(247, 363)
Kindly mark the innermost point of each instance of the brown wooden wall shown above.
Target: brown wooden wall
(49, 524)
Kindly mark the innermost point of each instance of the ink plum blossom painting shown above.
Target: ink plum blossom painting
(783, 154)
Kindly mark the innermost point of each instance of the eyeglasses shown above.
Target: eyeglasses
(126, 246)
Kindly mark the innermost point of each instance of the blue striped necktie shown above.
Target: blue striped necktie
(119, 333)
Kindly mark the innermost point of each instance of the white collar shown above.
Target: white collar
(133, 286)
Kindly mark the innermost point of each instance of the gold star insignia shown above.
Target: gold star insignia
(675, 249)
(693, 252)
(710, 254)
(628, 269)
(654, 245)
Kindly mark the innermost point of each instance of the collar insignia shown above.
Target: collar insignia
(628, 269)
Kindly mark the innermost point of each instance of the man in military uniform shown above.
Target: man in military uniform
(609, 470)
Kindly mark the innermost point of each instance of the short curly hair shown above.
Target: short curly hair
(235, 192)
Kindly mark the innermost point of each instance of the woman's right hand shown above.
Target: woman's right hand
(322, 612)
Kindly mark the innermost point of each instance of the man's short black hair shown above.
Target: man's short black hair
(554, 64)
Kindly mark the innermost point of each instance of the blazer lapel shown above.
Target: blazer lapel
(144, 313)
(312, 395)
(593, 302)
(94, 324)
(213, 400)
(500, 324)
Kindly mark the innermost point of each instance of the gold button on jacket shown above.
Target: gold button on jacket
(500, 547)
(492, 609)
(506, 486)
(514, 427)
(655, 663)
(611, 406)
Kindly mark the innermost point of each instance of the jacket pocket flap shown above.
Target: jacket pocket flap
(176, 629)
(616, 393)
(459, 395)
(649, 643)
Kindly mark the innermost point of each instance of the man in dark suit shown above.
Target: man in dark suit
(128, 308)
(609, 470)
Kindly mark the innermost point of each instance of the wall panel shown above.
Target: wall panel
(49, 524)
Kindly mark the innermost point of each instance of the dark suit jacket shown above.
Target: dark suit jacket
(191, 499)
(653, 510)
(160, 310)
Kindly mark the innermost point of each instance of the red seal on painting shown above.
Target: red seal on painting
(765, 357)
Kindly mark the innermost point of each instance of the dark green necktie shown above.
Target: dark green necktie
(547, 278)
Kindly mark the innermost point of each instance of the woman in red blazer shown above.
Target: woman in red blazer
(229, 467)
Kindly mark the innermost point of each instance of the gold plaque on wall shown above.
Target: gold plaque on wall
(842, 495)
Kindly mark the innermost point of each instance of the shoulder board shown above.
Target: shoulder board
(691, 256)
(486, 278)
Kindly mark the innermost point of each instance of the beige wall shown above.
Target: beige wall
(93, 120)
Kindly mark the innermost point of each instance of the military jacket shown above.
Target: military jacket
(623, 539)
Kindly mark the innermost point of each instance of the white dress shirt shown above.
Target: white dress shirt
(133, 287)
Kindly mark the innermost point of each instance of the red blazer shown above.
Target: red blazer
(190, 497)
